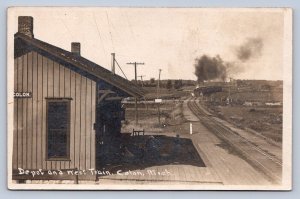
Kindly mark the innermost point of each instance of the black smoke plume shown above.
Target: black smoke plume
(210, 68)
(250, 49)
(215, 69)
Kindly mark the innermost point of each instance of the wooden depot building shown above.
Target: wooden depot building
(65, 107)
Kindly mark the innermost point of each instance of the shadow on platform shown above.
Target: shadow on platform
(140, 152)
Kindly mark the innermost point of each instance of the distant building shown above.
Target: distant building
(273, 103)
(253, 103)
(248, 104)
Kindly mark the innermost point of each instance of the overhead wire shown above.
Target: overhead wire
(99, 34)
(67, 29)
(109, 24)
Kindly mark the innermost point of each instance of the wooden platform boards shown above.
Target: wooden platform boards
(171, 174)
(231, 169)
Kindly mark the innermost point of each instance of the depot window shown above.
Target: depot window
(58, 129)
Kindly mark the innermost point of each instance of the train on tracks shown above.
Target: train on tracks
(206, 90)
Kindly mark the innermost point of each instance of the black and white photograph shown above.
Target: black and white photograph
(120, 98)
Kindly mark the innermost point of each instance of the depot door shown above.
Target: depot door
(109, 115)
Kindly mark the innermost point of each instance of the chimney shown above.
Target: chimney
(25, 25)
(75, 48)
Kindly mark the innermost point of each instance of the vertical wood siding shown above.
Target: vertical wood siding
(25, 112)
(46, 78)
(20, 113)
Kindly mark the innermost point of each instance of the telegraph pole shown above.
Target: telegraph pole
(158, 82)
(135, 99)
(158, 105)
(229, 96)
(113, 68)
(141, 76)
(135, 64)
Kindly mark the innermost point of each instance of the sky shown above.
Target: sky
(170, 39)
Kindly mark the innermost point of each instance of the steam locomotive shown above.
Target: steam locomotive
(206, 90)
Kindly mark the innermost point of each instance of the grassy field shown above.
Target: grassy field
(239, 97)
(257, 116)
(264, 120)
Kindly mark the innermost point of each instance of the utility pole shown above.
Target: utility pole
(158, 105)
(113, 68)
(141, 76)
(158, 83)
(135, 99)
(135, 64)
(229, 95)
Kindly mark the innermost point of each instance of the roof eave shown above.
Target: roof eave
(77, 63)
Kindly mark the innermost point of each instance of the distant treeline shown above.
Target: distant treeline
(167, 83)
(260, 83)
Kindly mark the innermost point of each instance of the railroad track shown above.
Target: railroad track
(266, 163)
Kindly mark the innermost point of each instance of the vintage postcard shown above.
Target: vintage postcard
(149, 98)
